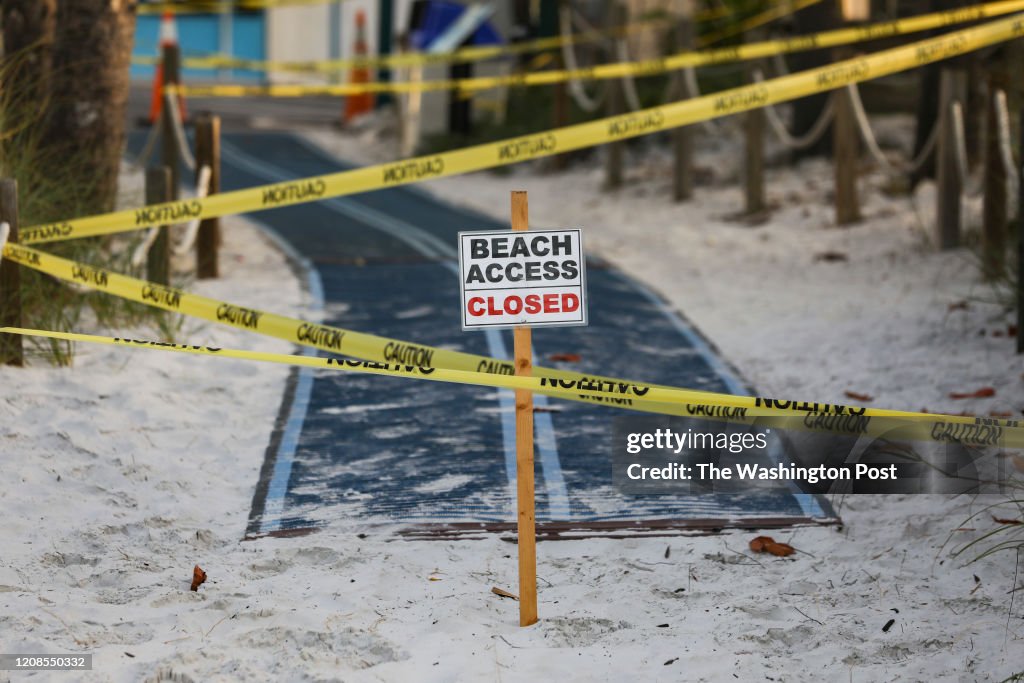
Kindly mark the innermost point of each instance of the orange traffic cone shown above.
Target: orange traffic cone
(362, 103)
(168, 37)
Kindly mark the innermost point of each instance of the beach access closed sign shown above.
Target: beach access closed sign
(522, 278)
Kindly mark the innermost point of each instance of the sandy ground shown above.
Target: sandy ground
(132, 467)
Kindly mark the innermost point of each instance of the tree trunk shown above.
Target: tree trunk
(91, 58)
(29, 29)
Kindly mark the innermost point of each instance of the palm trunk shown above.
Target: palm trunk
(91, 59)
(28, 30)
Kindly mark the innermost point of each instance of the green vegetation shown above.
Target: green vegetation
(49, 191)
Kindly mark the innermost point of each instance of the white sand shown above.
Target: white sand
(130, 468)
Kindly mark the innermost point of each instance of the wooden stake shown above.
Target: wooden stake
(755, 208)
(524, 452)
(994, 222)
(615, 105)
(1020, 240)
(169, 147)
(952, 85)
(559, 162)
(158, 260)
(753, 167)
(682, 136)
(208, 154)
(11, 352)
(846, 150)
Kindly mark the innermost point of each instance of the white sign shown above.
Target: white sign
(531, 278)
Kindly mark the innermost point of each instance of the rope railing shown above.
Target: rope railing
(871, 142)
(147, 149)
(622, 54)
(191, 228)
(692, 88)
(179, 130)
(867, 135)
(628, 83)
(787, 138)
(576, 89)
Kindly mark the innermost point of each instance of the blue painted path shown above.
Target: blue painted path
(350, 446)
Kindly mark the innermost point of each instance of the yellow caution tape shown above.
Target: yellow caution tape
(538, 145)
(607, 391)
(614, 70)
(325, 337)
(471, 53)
(844, 420)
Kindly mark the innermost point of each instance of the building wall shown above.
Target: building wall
(304, 33)
(203, 34)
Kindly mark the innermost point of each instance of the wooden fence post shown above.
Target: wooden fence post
(753, 167)
(208, 154)
(1020, 239)
(845, 150)
(994, 222)
(11, 349)
(682, 136)
(158, 259)
(952, 84)
(616, 105)
(559, 162)
(846, 147)
(168, 143)
(560, 110)
(525, 492)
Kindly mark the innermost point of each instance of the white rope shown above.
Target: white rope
(192, 228)
(960, 142)
(142, 251)
(413, 113)
(576, 89)
(622, 51)
(179, 130)
(864, 126)
(871, 142)
(147, 149)
(5, 231)
(867, 134)
(779, 127)
(926, 149)
(1003, 128)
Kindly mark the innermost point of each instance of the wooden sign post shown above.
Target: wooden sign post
(527, 532)
(514, 281)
